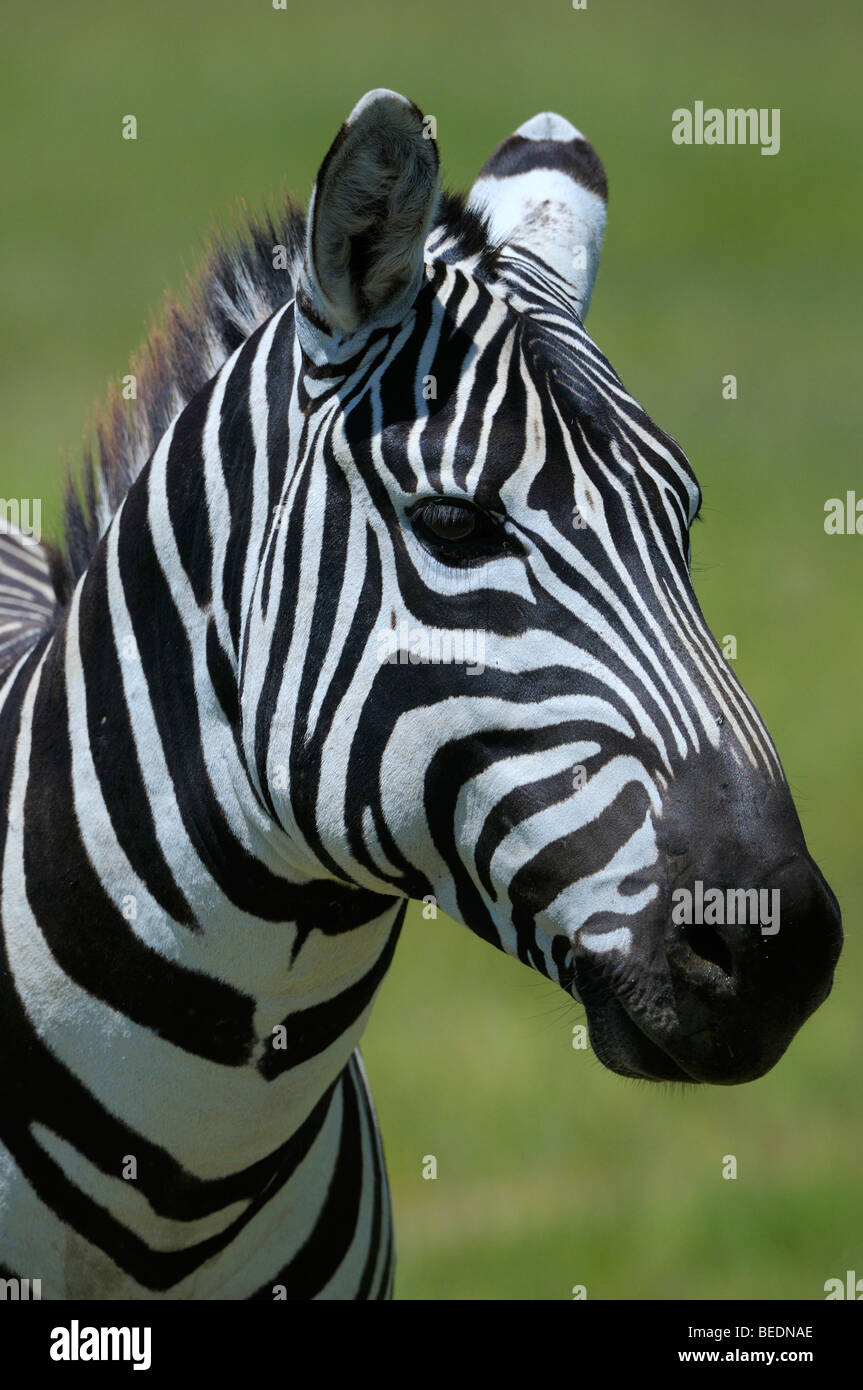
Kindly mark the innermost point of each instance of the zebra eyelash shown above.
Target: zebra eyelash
(491, 542)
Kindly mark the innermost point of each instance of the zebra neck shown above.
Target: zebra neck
(176, 905)
(188, 1066)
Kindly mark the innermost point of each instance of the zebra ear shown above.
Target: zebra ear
(370, 212)
(544, 190)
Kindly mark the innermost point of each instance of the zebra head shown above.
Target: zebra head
(489, 682)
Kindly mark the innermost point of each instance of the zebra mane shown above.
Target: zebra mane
(237, 288)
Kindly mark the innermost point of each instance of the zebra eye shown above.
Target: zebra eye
(457, 532)
(448, 521)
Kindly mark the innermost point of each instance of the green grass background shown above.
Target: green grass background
(551, 1171)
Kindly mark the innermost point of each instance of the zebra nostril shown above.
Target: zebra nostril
(707, 945)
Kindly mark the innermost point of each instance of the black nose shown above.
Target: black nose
(751, 930)
(775, 936)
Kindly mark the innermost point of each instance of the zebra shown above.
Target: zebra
(222, 782)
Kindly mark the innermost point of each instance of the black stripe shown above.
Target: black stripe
(184, 477)
(113, 749)
(317, 1261)
(577, 158)
(85, 930)
(310, 1031)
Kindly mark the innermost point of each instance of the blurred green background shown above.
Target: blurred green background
(551, 1171)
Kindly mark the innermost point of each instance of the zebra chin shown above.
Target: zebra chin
(720, 1052)
(711, 1055)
